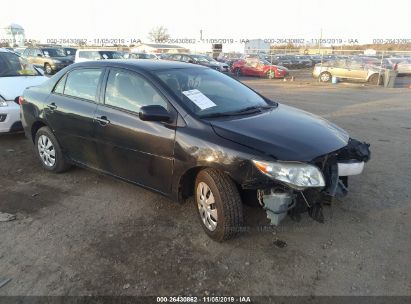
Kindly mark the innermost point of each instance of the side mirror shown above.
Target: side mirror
(39, 55)
(191, 61)
(154, 113)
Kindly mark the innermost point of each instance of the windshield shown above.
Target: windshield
(54, 52)
(111, 55)
(14, 65)
(206, 91)
(200, 58)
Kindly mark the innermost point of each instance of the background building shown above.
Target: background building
(13, 34)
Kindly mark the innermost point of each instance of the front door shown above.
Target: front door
(139, 151)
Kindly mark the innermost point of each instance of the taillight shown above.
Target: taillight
(21, 100)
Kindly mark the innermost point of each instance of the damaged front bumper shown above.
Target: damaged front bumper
(280, 199)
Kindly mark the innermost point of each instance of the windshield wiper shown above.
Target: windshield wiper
(245, 111)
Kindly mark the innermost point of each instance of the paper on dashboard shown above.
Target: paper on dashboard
(199, 99)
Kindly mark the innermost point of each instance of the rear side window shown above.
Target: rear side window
(59, 89)
(83, 83)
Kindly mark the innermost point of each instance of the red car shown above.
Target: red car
(258, 67)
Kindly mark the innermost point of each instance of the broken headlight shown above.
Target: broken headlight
(295, 175)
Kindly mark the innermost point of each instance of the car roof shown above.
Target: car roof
(138, 64)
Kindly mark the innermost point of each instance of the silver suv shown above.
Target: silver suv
(348, 69)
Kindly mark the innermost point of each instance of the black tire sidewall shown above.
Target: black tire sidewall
(225, 229)
(60, 164)
(45, 69)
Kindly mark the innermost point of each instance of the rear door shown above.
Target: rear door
(136, 150)
(70, 113)
(356, 70)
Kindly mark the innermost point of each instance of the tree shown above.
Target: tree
(158, 34)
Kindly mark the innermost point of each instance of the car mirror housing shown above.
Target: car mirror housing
(154, 113)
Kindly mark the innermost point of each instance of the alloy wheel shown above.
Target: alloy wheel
(46, 151)
(325, 77)
(207, 206)
(270, 74)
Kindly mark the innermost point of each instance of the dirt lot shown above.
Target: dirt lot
(81, 233)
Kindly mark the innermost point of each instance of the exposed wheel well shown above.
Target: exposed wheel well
(187, 181)
(186, 187)
(35, 127)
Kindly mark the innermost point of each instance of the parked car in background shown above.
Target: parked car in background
(50, 59)
(258, 67)
(403, 65)
(185, 130)
(142, 56)
(96, 54)
(16, 74)
(348, 69)
(201, 60)
(70, 51)
(19, 50)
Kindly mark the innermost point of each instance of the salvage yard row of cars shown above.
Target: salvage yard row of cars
(182, 130)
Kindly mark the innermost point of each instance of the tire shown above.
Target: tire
(237, 72)
(270, 74)
(325, 77)
(221, 217)
(374, 79)
(47, 69)
(49, 152)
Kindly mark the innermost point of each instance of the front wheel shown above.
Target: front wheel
(219, 204)
(270, 74)
(49, 151)
(325, 77)
(48, 69)
(237, 72)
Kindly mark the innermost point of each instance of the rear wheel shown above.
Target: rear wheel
(219, 204)
(49, 151)
(374, 79)
(325, 77)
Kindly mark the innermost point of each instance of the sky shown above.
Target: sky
(133, 19)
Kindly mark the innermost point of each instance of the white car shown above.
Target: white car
(16, 74)
(96, 54)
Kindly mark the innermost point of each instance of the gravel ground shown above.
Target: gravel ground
(82, 233)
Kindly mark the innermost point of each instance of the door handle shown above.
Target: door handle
(102, 120)
(52, 106)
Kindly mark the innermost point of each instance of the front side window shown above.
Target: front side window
(83, 83)
(130, 92)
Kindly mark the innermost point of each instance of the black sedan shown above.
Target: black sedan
(183, 130)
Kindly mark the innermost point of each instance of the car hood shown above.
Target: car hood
(284, 133)
(12, 87)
